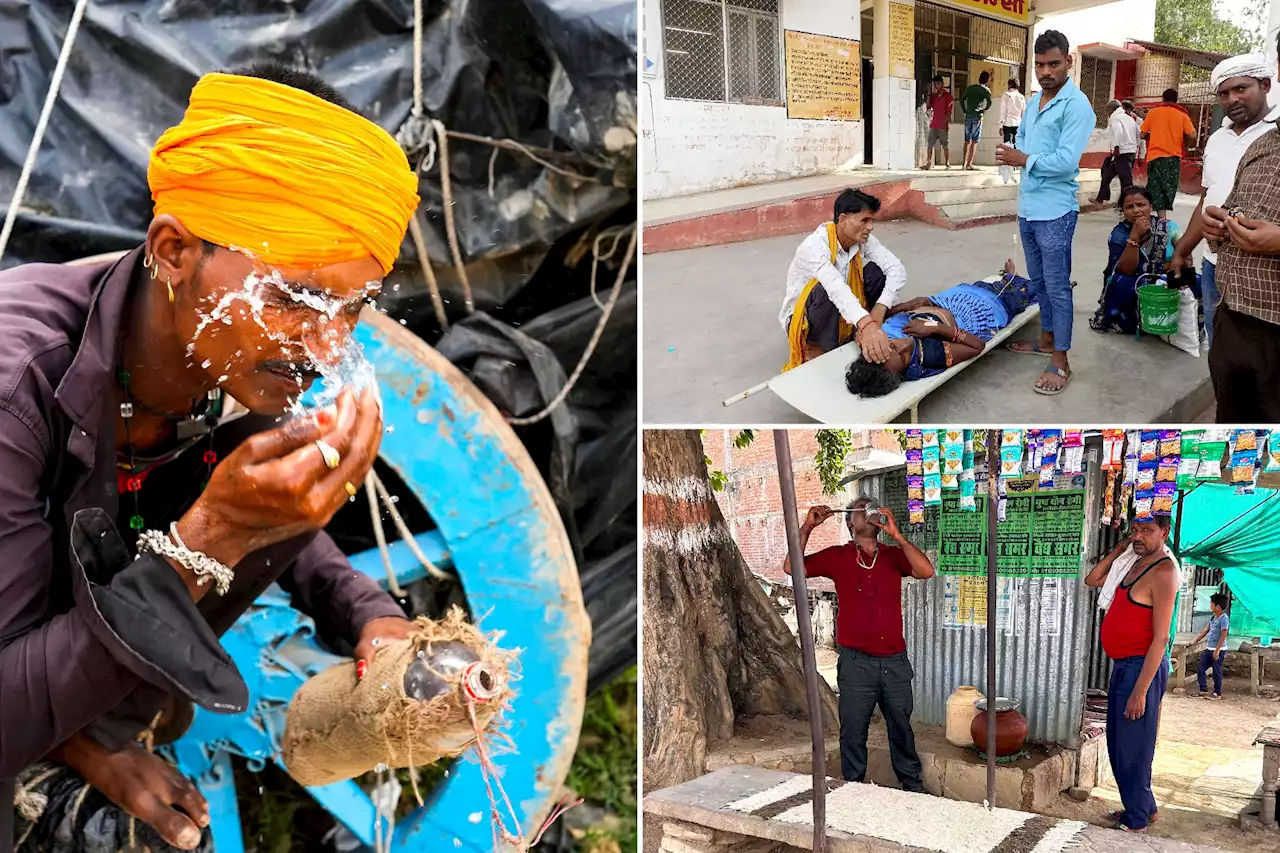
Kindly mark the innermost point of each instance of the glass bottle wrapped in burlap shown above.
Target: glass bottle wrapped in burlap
(340, 728)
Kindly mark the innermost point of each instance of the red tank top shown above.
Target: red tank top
(1126, 629)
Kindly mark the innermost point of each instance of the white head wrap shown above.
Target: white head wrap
(1248, 65)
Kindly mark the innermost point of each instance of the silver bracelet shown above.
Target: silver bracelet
(204, 567)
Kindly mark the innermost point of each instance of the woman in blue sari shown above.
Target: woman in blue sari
(929, 334)
(1139, 250)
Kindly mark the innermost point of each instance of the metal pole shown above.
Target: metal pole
(993, 503)
(787, 485)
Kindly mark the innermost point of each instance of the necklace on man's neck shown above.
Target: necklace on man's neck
(875, 555)
(200, 421)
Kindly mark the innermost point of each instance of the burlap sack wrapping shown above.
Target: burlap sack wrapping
(339, 729)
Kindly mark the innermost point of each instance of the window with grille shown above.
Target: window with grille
(722, 50)
(1095, 82)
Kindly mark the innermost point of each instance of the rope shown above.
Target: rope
(373, 483)
(417, 58)
(393, 586)
(420, 244)
(29, 164)
(616, 234)
(591, 345)
(446, 188)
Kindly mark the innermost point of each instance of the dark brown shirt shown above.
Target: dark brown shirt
(1250, 284)
(90, 638)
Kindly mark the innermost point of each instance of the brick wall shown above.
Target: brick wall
(752, 500)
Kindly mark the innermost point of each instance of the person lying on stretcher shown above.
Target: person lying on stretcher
(929, 334)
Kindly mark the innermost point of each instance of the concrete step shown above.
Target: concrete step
(940, 179)
(1004, 206)
(1000, 191)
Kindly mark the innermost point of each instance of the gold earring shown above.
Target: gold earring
(168, 282)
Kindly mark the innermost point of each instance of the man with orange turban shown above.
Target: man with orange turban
(140, 404)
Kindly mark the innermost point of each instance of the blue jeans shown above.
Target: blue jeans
(1131, 744)
(972, 128)
(1047, 245)
(1208, 661)
(1209, 297)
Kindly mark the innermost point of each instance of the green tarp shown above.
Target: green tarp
(1239, 534)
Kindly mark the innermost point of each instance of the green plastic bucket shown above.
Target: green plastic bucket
(1158, 309)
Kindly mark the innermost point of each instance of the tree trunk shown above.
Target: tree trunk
(714, 646)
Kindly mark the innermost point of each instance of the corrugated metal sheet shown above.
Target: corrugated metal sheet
(1041, 662)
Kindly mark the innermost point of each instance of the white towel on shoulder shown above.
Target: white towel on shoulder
(1119, 569)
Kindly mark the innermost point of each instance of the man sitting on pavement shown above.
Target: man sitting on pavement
(1242, 84)
(874, 667)
(841, 284)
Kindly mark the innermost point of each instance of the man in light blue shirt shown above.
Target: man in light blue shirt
(1054, 132)
(1215, 637)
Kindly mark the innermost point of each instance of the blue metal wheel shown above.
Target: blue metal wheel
(497, 528)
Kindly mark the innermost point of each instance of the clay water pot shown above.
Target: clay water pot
(1011, 727)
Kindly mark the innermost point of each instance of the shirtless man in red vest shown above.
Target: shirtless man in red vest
(1135, 635)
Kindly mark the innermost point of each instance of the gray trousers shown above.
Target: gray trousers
(864, 682)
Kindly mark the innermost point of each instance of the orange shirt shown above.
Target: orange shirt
(1167, 125)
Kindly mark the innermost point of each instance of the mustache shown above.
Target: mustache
(303, 370)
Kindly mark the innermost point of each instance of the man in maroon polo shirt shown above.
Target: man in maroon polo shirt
(873, 667)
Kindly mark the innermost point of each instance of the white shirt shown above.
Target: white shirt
(1012, 105)
(1119, 568)
(1124, 132)
(813, 260)
(1222, 155)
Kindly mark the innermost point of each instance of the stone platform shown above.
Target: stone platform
(767, 811)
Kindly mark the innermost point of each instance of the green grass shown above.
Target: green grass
(604, 767)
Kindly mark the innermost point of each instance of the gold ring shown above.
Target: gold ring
(330, 453)
(351, 490)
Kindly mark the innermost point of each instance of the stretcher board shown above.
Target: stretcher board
(817, 388)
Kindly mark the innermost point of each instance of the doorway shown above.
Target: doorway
(868, 78)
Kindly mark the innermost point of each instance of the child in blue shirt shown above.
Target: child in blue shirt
(1216, 632)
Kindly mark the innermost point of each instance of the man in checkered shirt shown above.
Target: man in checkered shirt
(1244, 361)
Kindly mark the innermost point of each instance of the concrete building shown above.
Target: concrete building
(740, 92)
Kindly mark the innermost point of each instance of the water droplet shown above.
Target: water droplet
(390, 430)
(475, 817)
(205, 364)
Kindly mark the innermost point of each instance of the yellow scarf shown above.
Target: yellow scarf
(799, 331)
(288, 177)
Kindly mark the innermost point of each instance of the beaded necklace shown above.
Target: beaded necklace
(191, 428)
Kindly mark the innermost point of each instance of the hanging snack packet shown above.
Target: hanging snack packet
(930, 438)
(1146, 476)
(932, 489)
(1242, 466)
(1109, 498)
(915, 511)
(1273, 452)
(932, 460)
(915, 439)
(1190, 459)
(1142, 508)
(915, 463)
(1164, 496)
(1170, 442)
(1246, 439)
(1011, 437)
(1167, 472)
(1149, 449)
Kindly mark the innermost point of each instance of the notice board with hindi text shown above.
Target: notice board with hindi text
(1042, 534)
(824, 77)
(902, 40)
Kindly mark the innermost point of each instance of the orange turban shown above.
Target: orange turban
(288, 177)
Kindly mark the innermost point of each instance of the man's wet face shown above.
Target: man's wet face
(1148, 537)
(259, 331)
